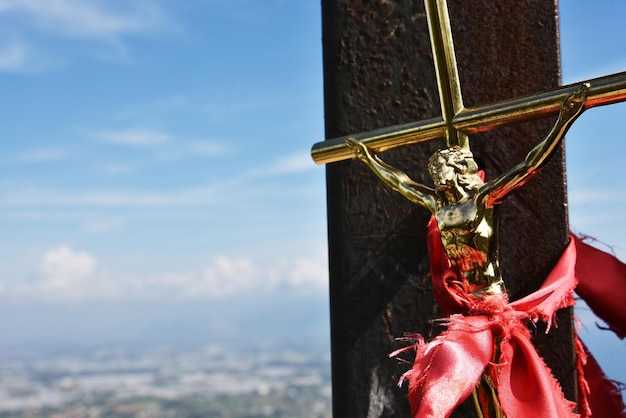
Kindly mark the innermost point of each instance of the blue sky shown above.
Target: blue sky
(157, 152)
(156, 144)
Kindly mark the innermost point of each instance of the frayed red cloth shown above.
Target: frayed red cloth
(598, 396)
(602, 284)
(447, 369)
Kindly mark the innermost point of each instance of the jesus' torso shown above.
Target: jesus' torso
(469, 237)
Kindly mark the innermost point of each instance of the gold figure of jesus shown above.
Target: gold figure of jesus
(466, 207)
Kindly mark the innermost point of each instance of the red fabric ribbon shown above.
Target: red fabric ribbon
(597, 395)
(602, 284)
(447, 369)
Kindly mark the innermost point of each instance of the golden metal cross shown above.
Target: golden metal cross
(456, 121)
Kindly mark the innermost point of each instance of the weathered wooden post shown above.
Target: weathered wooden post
(379, 72)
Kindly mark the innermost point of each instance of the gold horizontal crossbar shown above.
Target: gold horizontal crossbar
(602, 91)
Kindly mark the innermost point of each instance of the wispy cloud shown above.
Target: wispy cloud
(19, 56)
(115, 169)
(282, 165)
(133, 137)
(12, 55)
(190, 149)
(229, 276)
(37, 156)
(91, 198)
(101, 226)
(171, 147)
(69, 274)
(228, 189)
(208, 148)
(87, 18)
(156, 108)
(105, 24)
(292, 163)
(594, 196)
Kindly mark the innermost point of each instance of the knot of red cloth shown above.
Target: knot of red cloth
(447, 369)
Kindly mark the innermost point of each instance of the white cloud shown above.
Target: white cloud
(133, 137)
(67, 274)
(293, 163)
(582, 196)
(229, 276)
(105, 25)
(228, 190)
(17, 55)
(63, 268)
(101, 226)
(89, 198)
(308, 271)
(38, 156)
(117, 168)
(187, 149)
(172, 147)
(208, 148)
(85, 18)
(282, 165)
(12, 55)
(155, 109)
(225, 277)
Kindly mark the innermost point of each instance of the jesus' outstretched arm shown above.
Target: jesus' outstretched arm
(501, 187)
(394, 178)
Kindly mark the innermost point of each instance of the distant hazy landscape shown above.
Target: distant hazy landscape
(232, 357)
(287, 318)
(252, 379)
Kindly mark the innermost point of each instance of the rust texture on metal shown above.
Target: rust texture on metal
(378, 72)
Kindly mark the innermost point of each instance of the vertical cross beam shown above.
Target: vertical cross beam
(448, 82)
(378, 72)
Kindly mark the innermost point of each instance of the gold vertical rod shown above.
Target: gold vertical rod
(445, 69)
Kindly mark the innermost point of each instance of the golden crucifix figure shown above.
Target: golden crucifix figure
(466, 207)
(466, 210)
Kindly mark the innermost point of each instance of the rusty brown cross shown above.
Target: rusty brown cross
(456, 121)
